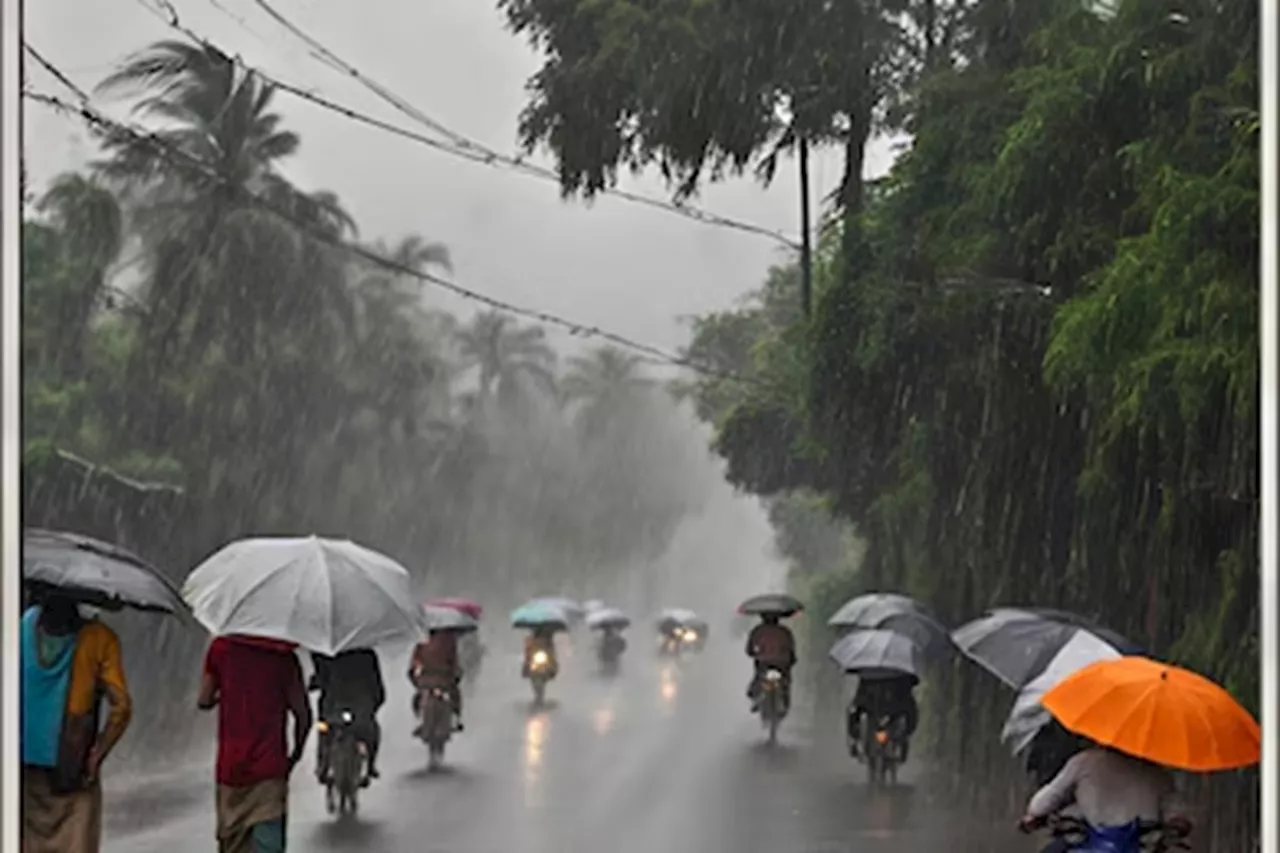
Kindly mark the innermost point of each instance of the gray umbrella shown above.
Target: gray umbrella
(607, 617)
(95, 572)
(875, 652)
(771, 604)
(1013, 645)
(893, 612)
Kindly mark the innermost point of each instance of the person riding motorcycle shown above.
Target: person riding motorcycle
(350, 681)
(612, 643)
(540, 639)
(434, 663)
(770, 645)
(879, 697)
(1115, 794)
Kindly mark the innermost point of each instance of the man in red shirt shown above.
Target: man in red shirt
(770, 645)
(255, 684)
(435, 664)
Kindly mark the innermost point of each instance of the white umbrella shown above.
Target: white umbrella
(326, 595)
(1028, 715)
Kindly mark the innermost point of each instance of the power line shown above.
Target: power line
(183, 161)
(455, 144)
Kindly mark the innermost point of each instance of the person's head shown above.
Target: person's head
(58, 613)
(770, 618)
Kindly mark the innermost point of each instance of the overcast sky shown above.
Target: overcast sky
(615, 264)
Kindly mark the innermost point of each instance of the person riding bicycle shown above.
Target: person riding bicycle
(1114, 792)
(435, 664)
(880, 697)
(350, 681)
(770, 645)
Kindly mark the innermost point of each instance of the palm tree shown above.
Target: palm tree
(603, 384)
(90, 229)
(506, 355)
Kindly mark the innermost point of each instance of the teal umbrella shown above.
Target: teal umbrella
(539, 614)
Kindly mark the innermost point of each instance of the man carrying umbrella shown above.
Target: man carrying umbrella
(770, 645)
(1157, 716)
(67, 664)
(255, 683)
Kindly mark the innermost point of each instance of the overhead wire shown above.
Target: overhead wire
(183, 161)
(453, 143)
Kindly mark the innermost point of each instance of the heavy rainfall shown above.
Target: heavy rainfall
(608, 424)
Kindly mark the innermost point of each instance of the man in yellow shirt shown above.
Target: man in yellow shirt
(68, 665)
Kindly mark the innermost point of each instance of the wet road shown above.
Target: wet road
(663, 757)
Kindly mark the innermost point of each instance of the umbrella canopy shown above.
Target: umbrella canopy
(771, 604)
(95, 572)
(877, 652)
(893, 612)
(539, 614)
(1028, 716)
(607, 617)
(572, 610)
(447, 619)
(1117, 641)
(1012, 644)
(866, 611)
(1164, 714)
(326, 595)
(462, 605)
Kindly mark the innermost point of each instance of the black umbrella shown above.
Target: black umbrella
(94, 572)
(1119, 642)
(1013, 644)
(771, 604)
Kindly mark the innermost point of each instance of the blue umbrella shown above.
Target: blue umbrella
(539, 614)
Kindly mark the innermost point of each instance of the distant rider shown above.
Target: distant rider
(435, 664)
(350, 681)
(1114, 793)
(612, 644)
(891, 697)
(770, 645)
(541, 638)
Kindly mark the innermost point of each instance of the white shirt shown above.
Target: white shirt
(1110, 789)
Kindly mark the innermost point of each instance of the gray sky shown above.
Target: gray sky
(614, 264)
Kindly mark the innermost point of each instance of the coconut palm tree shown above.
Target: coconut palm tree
(90, 234)
(507, 355)
(603, 384)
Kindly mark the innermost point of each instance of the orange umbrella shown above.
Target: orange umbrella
(1165, 714)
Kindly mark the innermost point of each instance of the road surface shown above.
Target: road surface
(663, 757)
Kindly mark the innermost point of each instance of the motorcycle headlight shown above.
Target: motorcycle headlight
(540, 658)
(346, 716)
(322, 726)
(691, 636)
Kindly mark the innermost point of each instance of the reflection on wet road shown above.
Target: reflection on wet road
(663, 756)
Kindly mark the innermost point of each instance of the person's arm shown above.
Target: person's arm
(1059, 792)
(207, 698)
(300, 708)
(112, 681)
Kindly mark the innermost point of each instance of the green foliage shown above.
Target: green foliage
(1037, 381)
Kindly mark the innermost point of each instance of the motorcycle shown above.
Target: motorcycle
(882, 749)
(435, 711)
(540, 669)
(347, 761)
(1138, 837)
(773, 701)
